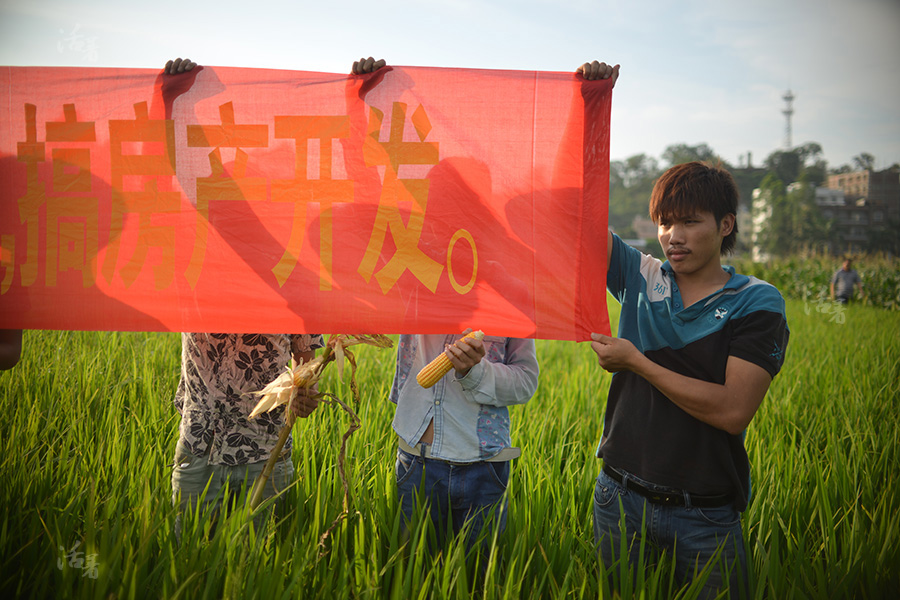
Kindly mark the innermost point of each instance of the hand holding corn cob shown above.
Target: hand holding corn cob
(462, 356)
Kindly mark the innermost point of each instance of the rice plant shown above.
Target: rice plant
(88, 431)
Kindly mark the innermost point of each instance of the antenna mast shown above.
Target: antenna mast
(788, 112)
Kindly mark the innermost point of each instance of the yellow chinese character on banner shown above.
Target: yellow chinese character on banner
(303, 190)
(148, 170)
(220, 185)
(71, 207)
(395, 192)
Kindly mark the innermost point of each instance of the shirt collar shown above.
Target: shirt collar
(735, 281)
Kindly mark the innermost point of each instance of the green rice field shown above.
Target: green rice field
(88, 431)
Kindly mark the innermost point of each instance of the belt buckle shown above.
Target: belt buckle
(664, 499)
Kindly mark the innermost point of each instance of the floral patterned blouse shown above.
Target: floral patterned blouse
(218, 373)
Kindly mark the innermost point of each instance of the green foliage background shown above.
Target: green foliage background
(796, 223)
(807, 277)
(87, 433)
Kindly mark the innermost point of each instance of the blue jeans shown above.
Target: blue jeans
(201, 486)
(456, 493)
(692, 535)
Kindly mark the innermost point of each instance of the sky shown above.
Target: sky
(693, 71)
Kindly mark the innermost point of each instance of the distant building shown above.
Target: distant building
(858, 203)
(879, 189)
(746, 178)
(644, 228)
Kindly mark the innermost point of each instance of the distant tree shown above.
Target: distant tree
(810, 151)
(637, 169)
(793, 222)
(864, 162)
(630, 183)
(785, 164)
(804, 161)
(809, 229)
(677, 154)
(775, 229)
(816, 173)
(814, 168)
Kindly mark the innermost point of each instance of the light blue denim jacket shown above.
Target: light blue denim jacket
(471, 419)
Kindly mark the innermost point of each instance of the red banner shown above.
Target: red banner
(412, 200)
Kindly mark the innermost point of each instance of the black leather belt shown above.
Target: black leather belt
(504, 455)
(668, 498)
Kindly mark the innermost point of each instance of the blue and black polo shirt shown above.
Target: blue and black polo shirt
(644, 432)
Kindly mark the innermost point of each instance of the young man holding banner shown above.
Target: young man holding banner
(698, 347)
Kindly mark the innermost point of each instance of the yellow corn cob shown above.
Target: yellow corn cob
(441, 365)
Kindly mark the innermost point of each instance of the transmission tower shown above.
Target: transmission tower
(788, 112)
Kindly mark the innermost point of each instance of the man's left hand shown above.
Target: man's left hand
(614, 354)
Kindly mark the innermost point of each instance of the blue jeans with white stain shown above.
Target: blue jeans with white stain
(694, 536)
(457, 493)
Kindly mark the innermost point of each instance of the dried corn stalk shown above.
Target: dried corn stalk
(306, 375)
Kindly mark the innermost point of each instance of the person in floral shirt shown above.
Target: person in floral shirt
(217, 443)
(219, 448)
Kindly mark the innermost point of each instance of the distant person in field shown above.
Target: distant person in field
(845, 282)
(217, 443)
(697, 348)
(10, 348)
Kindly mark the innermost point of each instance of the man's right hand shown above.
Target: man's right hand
(173, 67)
(598, 70)
(366, 65)
(592, 71)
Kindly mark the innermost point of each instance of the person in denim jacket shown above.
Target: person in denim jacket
(454, 444)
